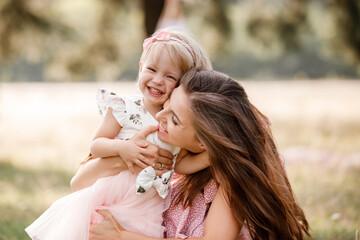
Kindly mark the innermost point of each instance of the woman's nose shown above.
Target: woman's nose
(160, 116)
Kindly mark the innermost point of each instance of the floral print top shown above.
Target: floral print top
(132, 116)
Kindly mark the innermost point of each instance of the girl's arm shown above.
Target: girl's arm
(188, 163)
(104, 141)
(96, 168)
(131, 151)
(226, 229)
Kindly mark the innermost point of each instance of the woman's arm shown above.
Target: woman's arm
(94, 169)
(226, 229)
(110, 229)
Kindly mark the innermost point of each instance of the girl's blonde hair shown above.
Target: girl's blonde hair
(183, 49)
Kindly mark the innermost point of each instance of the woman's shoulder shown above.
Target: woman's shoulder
(210, 191)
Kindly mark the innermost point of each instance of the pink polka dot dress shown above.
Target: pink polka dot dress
(190, 222)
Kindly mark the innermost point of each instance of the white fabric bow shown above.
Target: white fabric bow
(147, 178)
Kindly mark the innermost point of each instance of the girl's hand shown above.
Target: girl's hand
(107, 229)
(163, 160)
(136, 153)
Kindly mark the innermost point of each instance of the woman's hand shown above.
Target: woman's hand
(106, 230)
(163, 162)
(110, 229)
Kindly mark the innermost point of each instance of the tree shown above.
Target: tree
(347, 18)
(33, 30)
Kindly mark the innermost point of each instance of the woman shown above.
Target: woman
(210, 110)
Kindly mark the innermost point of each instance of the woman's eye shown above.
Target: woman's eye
(173, 120)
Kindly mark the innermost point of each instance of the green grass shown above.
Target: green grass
(323, 190)
(25, 194)
(332, 135)
(330, 197)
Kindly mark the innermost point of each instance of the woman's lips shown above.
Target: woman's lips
(162, 129)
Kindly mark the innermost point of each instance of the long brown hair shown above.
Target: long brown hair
(243, 156)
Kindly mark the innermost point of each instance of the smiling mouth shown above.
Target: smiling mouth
(155, 91)
(161, 128)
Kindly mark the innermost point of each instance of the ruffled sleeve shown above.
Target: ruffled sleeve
(106, 99)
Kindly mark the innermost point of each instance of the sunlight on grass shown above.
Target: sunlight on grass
(343, 136)
(330, 197)
(26, 193)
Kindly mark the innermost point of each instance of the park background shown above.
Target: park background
(299, 61)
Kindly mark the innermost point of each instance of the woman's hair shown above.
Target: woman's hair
(183, 49)
(244, 159)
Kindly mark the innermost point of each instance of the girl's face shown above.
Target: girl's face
(157, 78)
(175, 122)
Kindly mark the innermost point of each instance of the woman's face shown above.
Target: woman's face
(176, 125)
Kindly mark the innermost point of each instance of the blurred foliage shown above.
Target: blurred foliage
(20, 21)
(283, 27)
(26, 194)
(328, 196)
(347, 17)
(101, 39)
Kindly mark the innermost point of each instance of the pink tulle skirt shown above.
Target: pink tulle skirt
(70, 217)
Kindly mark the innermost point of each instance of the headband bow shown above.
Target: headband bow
(165, 36)
(160, 36)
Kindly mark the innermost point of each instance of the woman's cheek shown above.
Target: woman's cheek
(171, 134)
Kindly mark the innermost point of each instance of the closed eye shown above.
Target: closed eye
(173, 120)
(151, 69)
(172, 77)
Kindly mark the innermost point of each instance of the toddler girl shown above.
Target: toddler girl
(138, 206)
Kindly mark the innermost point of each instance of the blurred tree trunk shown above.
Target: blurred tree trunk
(347, 19)
(221, 21)
(283, 27)
(152, 11)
